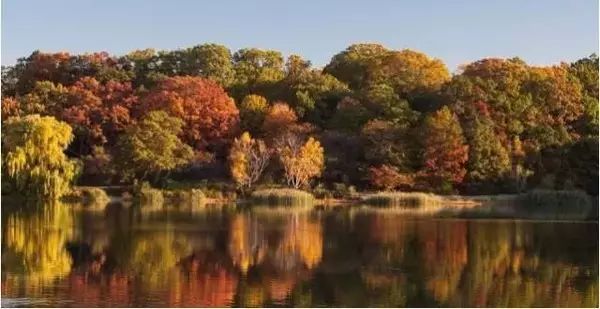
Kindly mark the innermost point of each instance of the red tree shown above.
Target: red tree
(99, 112)
(210, 115)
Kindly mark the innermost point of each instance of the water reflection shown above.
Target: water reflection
(252, 257)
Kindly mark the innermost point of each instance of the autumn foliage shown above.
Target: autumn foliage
(300, 161)
(99, 112)
(388, 119)
(209, 114)
(248, 159)
(388, 177)
(445, 149)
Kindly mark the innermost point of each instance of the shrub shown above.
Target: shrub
(90, 197)
(282, 197)
(403, 199)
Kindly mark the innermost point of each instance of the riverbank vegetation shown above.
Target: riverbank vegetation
(282, 197)
(403, 199)
(372, 119)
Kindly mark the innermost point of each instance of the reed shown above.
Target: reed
(149, 197)
(282, 197)
(403, 199)
(189, 197)
(558, 204)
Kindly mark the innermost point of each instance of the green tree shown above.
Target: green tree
(352, 65)
(314, 95)
(391, 144)
(152, 147)
(350, 115)
(256, 71)
(386, 104)
(33, 156)
(212, 61)
(488, 161)
(586, 71)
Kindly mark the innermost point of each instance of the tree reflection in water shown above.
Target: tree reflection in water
(57, 256)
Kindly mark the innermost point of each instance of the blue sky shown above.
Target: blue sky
(539, 31)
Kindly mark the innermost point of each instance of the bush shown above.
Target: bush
(282, 197)
(403, 199)
(90, 197)
(558, 204)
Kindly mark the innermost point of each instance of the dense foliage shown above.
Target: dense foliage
(151, 146)
(33, 156)
(385, 118)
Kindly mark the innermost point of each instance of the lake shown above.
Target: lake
(254, 256)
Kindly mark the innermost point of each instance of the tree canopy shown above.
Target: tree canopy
(33, 156)
(403, 116)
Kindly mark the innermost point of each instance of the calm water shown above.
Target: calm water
(259, 257)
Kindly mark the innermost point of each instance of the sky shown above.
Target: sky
(539, 31)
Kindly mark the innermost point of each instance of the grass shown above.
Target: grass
(403, 199)
(191, 197)
(558, 204)
(282, 197)
(211, 190)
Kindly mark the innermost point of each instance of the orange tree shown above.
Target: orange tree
(210, 116)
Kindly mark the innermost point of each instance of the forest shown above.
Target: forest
(372, 119)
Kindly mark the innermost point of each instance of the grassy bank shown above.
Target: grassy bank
(403, 199)
(282, 197)
(535, 204)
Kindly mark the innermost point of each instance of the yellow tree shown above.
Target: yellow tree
(409, 73)
(252, 112)
(34, 156)
(301, 162)
(248, 158)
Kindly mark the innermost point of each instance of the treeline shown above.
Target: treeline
(373, 118)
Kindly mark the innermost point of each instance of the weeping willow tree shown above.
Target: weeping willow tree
(34, 157)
